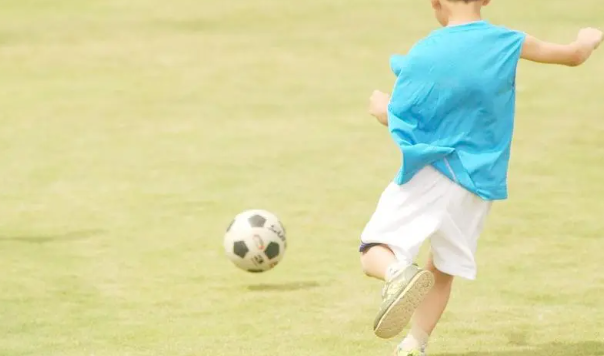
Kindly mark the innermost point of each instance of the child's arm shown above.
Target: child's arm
(378, 106)
(572, 54)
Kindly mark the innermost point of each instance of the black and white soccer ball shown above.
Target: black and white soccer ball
(255, 241)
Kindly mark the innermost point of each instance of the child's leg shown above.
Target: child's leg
(406, 216)
(429, 311)
(453, 250)
(406, 286)
(376, 260)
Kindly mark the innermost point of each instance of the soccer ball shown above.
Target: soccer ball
(255, 241)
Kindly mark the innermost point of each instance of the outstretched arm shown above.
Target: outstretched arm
(573, 54)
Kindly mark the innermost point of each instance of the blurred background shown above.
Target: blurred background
(131, 133)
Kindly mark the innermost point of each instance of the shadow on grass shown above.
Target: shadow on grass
(588, 348)
(43, 239)
(283, 287)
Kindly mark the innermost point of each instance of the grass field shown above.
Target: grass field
(133, 131)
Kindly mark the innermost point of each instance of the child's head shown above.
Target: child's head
(447, 10)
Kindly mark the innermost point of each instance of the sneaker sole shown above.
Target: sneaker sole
(398, 315)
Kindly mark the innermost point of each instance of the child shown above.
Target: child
(452, 114)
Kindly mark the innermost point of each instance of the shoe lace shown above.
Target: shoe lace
(391, 287)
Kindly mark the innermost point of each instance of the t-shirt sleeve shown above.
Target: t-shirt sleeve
(513, 41)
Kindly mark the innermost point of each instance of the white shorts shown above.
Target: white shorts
(433, 207)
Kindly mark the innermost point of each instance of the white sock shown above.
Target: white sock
(417, 339)
(394, 269)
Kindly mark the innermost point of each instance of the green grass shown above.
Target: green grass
(132, 131)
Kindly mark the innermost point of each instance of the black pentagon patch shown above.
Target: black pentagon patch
(240, 249)
(255, 270)
(230, 225)
(257, 221)
(272, 250)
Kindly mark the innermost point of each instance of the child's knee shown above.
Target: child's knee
(443, 279)
(375, 260)
(365, 264)
(440, 278)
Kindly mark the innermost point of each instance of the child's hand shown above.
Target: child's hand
(378, 106)
(591, 37)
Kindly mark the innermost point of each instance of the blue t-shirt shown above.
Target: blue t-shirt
(453, 105)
